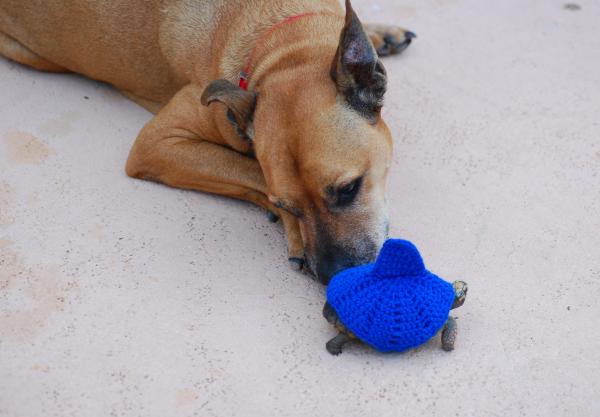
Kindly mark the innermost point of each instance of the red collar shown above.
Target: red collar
(246, 72)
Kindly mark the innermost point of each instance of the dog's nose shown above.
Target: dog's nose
(331, 259)
(327, 270)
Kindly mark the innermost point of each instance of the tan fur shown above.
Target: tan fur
(163, 53)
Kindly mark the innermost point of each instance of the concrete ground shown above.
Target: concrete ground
(127, 298)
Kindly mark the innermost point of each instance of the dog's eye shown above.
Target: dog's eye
(347, 193)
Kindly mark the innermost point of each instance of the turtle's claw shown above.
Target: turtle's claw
(335, 345)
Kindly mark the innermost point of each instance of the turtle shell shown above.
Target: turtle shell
(394, 304)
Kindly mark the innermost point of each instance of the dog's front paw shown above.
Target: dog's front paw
(273, 218)
(389, 40)
(296, 263)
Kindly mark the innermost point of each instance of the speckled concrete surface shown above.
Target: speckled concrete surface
(127, 298)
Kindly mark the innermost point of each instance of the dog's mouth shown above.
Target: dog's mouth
(309, 268)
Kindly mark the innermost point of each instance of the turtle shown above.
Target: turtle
(392, 304)
(449, 330)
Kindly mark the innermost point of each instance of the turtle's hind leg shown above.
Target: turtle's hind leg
(335, 345)
(449, 334)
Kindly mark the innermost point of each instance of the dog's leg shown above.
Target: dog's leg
(175, 148)
(12, 49)
(389, 40)
(294, 240)
(151, 106)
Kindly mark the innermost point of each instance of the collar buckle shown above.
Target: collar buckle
(243, 80)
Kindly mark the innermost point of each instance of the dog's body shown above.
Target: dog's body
(312, 149)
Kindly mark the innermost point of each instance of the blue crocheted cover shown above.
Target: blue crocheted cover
(394, 304)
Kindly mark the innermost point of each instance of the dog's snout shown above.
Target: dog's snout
(332, 252)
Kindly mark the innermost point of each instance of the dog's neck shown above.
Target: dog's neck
(285, 43)
(265, 39)
(310, 42)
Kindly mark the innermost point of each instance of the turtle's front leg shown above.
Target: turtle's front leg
(334, 346)
(449, 334)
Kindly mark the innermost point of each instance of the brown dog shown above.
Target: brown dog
(300, 135)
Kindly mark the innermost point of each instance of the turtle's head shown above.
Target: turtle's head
(330, 314)
(460, 293)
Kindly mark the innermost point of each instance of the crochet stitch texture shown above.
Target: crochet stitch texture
(394, 304)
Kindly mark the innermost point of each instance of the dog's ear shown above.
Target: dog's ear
(241, 104)
(356, 69)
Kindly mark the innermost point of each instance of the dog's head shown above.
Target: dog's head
(324, 149)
